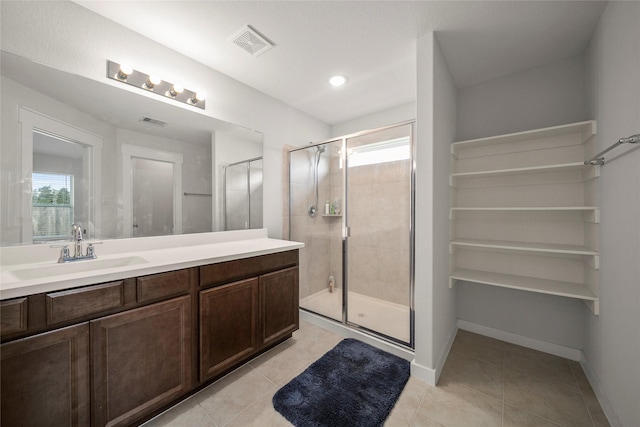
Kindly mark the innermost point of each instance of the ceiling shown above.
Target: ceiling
(373, 43)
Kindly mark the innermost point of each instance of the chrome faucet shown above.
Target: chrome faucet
(76, 232)
(76, 238)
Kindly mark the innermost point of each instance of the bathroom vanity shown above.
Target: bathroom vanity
(117, 345)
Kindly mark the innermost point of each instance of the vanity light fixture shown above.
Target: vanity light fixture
(152, 83)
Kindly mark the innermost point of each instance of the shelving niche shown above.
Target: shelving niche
(524, 212)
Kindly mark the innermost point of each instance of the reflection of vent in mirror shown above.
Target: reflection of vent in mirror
(251, 41)
(155, 122)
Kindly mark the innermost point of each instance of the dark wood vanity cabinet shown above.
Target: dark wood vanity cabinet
(45, 379)
(228, 326)
(116, 353)
(141, 361)
(279, 299)
(242, 318)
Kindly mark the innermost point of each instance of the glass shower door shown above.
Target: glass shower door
(315, 218)
(378, 217)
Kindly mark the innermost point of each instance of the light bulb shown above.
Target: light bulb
(152, 81)
(198, 96)
(124, 71)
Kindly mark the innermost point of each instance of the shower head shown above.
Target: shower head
(320, 148)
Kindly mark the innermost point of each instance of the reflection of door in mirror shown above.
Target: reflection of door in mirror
(60, 172)
(151, 192)
(152, 202)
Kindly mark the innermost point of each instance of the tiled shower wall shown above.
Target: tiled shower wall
(315, 233)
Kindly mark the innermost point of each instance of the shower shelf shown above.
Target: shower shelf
(509, 192)
(332, 215)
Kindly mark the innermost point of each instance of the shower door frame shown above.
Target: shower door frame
(346, 232)
(224, 187)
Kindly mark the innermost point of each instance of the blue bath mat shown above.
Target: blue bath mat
(354, 385)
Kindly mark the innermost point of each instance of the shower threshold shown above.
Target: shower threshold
(384, 317)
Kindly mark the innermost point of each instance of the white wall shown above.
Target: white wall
(435, 314)
(66, 36)
(540, 97)
(545, 96)
(399, 114)
(612, 340)
(444, 133)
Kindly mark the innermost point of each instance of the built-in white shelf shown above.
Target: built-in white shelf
(526, 247)
(564, 167)
(533, 284)
(594, 211)
(585, 129)
(332, 215)
(508, 185)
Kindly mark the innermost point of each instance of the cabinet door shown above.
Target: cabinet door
(141, 361)
(228, 326)
(279, 298)
(45, 379)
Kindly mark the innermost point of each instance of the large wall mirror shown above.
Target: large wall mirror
(120, 163)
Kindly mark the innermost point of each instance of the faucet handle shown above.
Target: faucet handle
(91, 251)
(64, 252)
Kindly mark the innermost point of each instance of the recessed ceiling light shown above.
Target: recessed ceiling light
(337, 80)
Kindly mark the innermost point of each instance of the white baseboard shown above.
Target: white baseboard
(597, 389)
(547, 347)
(423, 373)
(430, 375)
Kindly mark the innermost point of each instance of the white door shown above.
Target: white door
(151, 192)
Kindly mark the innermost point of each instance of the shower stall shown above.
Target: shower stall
(351, 204)
(242, 194)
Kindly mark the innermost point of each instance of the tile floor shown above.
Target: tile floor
(485, 382)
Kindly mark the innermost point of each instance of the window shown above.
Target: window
(380, 152)
(52, 211)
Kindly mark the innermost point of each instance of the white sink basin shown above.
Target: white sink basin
(41, 271)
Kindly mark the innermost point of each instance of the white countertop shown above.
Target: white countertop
(27, 270)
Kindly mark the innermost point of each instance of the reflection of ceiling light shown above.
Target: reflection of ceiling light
(337, 81)
(124, 71)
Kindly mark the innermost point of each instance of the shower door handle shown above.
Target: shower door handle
(347, 232)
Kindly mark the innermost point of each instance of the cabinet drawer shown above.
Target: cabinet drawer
(162, 285)
(13, 314)
(229, 271)
(76, 303)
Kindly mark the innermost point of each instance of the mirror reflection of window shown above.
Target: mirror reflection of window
(52, 206)
(58, 188)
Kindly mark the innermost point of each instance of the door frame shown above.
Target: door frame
(30, 121)
(130, 151)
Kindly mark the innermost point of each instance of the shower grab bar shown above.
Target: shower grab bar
(197, 194)
(598, 159)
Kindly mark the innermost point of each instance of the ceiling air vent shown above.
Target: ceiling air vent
(151, 121)
(253, 42)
